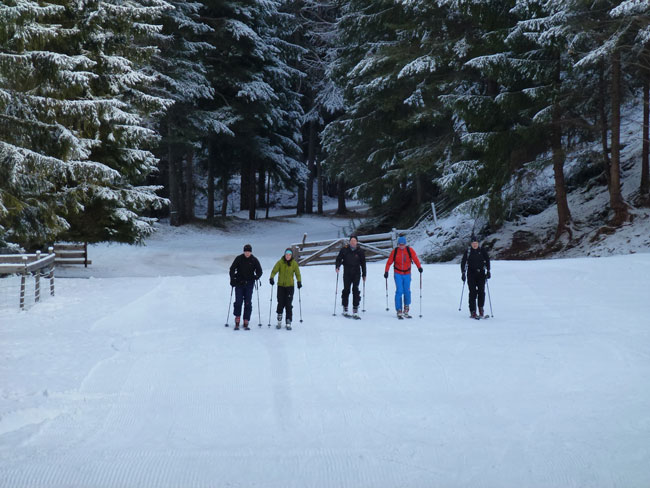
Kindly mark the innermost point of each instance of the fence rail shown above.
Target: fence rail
(76, 253)
(376, 247)
(38, 265)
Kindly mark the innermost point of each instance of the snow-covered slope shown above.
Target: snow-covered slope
(128, 377)
(529, 235)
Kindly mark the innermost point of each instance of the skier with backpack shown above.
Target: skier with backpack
(286, 268)
(354, 268)
(475, 267)
(402, 258)
(244, 272)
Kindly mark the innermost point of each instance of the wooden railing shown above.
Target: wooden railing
(38, 265)
(72, 254)
(376, 247)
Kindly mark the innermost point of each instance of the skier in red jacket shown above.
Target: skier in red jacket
(402, 258)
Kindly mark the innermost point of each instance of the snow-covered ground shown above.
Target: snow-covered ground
(128, 377)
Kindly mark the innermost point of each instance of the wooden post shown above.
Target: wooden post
(37, 280)
(23, 277)
(51, 273)
(393, 237)
(86, 254)
(435, 217)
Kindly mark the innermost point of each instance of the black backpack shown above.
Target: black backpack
(408, 250)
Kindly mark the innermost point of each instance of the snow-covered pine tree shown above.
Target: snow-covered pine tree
(45, 157)
(186, 127)
(120, 38)
(609, 44)
(72, 142)
(487, 112)
(252, 78)
(636, 14)
(366, 144)
(322, 100)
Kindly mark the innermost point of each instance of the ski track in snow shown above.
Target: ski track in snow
(139, 384)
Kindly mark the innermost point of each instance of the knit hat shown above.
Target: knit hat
(354, 237)
(401, 240)
(474, 238)
(288, 251)
(248, 247)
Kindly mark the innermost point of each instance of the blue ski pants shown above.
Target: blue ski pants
(402, 287)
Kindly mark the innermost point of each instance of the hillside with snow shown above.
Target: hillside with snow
(529, 231)
(127, 377)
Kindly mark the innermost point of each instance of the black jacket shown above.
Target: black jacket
(352, 260)
(476, 260)
(245, 269)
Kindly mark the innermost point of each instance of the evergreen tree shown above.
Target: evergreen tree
(73, 141)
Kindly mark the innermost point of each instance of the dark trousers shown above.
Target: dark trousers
(285, 300)
(351, 281)
(244, 293)
(476, 283)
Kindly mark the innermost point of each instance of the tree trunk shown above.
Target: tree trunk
(645, 167)
(261, 193)
(342, 209)
(189, 187)
(603, 125)
(319, 176)
(224, 201)
(268, 195)
(311, 155)
(252, 214)
(174, 190)
(244, 201)
(300, 206)
(615, 196)
(211, 163)
(559, 157)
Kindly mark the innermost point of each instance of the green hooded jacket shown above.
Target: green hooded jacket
(286, 269)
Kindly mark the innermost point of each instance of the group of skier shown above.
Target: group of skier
(246, 270)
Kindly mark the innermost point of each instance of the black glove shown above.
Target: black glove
(299, 284)
(488, 275)
(420, 270)
(272, 281)
(386, 275)
(463, 277)
(233, 282)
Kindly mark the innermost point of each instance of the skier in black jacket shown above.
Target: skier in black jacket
(354, 268)
(244, 271)
(473, 267)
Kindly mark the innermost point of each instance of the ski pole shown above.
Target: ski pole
(271, 304)
(300, 304)
(259, 314)
(461, 296)
(420, 295)
(490, 299)
(229, 303)
(336, 293)
(364, 296)
(387, 294)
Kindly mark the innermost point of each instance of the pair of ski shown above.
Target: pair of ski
(351, 316)
(478, 317)
(404, 316)
(279, 326)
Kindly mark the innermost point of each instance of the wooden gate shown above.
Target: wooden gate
(377, 247)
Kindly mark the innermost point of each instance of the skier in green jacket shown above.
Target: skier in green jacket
(287, 267)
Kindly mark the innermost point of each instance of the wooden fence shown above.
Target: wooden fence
(376, 247)
(72, 254)
(38, 265)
